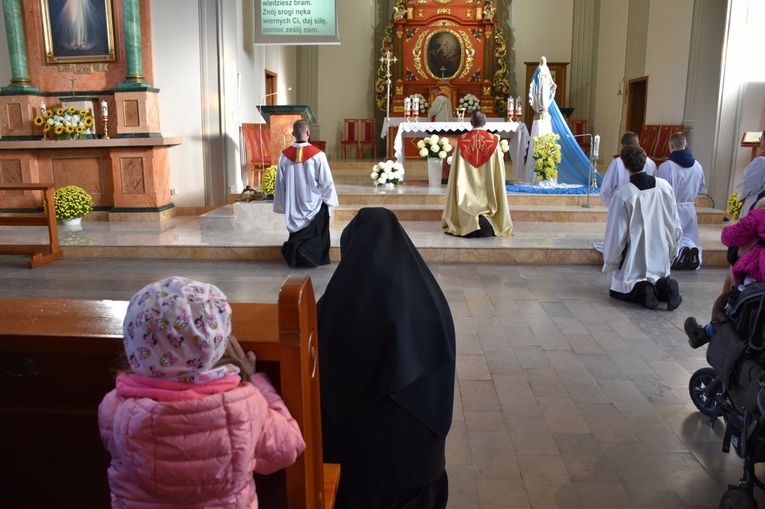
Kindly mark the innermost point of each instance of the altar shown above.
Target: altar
(515, 132)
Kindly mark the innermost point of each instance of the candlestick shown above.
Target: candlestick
(596, 147)
(105, 118)
(416, 108)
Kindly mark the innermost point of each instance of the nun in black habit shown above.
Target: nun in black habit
(387, 363)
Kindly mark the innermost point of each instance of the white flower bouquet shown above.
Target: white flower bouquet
(470, 102)
(65, 123)
(504, 145)
(434, 146)
(388, 172)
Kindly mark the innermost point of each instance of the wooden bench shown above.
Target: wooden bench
(56, 360)
(40, 253)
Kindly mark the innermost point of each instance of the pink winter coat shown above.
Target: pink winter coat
(748, 228)
(177, 445)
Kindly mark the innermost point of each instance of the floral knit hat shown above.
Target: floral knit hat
(178, 329)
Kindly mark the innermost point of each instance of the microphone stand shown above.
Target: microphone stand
(594, 149)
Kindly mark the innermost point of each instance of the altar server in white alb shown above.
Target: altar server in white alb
(752, 185)
(684, 174)
(617, 175)
(304, 191)
(642, 235)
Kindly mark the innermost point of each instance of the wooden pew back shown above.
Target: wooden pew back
(56, 359)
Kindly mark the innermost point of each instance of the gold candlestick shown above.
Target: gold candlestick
(106, 128)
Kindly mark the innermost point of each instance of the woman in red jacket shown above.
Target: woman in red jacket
(183, 429)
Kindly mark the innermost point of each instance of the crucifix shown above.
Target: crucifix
(387, 59)
(442, 72)
(72, 79)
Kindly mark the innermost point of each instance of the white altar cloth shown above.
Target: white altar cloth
(515, 132)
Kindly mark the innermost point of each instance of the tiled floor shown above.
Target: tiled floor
(565, 397)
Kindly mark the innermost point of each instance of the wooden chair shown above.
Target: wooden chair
(368, 138)
(56, 356)
(662, 143)
(649, 137)
(257, 144)
(350, 137)
(675, 128)
(579, 127)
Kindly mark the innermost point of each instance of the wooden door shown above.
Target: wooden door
(637, 91)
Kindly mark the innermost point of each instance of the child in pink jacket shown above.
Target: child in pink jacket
(183, 429)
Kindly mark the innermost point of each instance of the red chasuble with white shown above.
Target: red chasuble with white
(300, 154)
(477, 146)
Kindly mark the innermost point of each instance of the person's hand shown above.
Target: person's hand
(234, 349)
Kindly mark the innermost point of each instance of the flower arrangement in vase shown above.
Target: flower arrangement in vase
(268, 180)
(547, 155)
(470, 102)
(64, 124)
(734, 206)
(72, 202)
(387, 172)
(433, 146)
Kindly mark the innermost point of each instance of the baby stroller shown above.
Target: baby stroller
(732, 387)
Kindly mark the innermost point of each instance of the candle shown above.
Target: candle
(510, 106)
(104, 109)
(407, 105)
(42, 109)
(416, 106)
(596, 147)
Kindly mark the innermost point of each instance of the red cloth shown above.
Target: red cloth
(301, 153)
(477, 146)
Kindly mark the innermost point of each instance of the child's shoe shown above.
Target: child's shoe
(697, 335)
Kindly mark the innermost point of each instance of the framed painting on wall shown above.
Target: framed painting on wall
(77, 31)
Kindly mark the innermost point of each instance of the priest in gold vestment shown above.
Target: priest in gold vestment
(476, 199)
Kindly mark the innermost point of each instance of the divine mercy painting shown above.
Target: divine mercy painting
(78, 30)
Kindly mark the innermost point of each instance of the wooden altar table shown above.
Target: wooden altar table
(515, 132)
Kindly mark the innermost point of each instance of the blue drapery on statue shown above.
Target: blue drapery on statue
(574, 167)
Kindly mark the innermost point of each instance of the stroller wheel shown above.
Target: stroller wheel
(701, 379)
(737, 499)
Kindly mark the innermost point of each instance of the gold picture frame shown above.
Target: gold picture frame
(77, 31)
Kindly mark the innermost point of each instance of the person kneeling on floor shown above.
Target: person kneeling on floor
(642, 235)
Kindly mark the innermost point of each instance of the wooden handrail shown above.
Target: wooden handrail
(40, 254)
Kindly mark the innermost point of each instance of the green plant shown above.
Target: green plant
(72, 202)
(546, 156)
(268, 180)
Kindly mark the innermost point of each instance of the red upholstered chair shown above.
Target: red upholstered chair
(257, 143)
(652, 136)
(677, 128)
(579, 126)
(367, 138)
(662, 142)
(643, 139)
(350, 137)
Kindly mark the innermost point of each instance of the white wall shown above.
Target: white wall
(542, 28)
(669, 35)
(609, 106)
(177, 74)
(346, 73)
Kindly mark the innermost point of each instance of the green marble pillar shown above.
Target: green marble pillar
(14, 31)
(131, 13)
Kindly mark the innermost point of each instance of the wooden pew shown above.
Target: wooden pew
(56, 359)
(40, 253)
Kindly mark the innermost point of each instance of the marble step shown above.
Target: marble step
(526, 213)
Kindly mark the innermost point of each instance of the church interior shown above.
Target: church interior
(564, 397)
